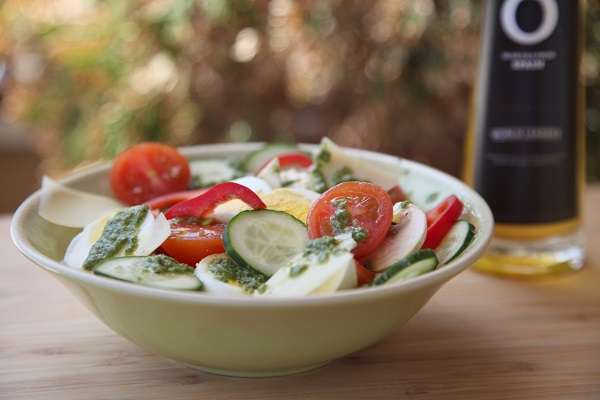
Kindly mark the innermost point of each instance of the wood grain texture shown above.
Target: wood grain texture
(479, 338)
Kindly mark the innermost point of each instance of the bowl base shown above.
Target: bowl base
(257, 374)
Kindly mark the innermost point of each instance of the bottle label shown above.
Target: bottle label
(526, 133)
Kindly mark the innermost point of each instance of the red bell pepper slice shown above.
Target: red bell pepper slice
(397, 194)
(168, 200)
(291, 160)
(364, 275)
(204, 204)
(440, 220)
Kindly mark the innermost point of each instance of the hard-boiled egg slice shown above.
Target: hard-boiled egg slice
(304, 275)
(295, 202)
(225, 211)
(64, 206)
(348, 280)
(337, 161)
(229, 209)
(287, 177)
(214, 286)
(152, 232)
(257, 185)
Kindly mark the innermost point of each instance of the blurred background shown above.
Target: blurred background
(80, 80)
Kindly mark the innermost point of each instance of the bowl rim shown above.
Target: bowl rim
(437, 277)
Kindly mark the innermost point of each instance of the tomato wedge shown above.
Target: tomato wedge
(364, 275)
(440, 220)
(359, 207)
(167, 200)
(397, 194)
(291, 160)
(204, 204)
(148, 170)
(190, 242)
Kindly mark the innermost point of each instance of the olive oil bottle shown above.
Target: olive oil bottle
(526, 141)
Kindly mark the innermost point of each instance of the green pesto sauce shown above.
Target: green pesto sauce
(404, 204)
(226, 270)
(340, 221)
(297, 270)
(317, 251)
(162, 264)
(343, 174)
(359, 233)
(119, 236)
(320, 249)
(323, 156)
(317, 181)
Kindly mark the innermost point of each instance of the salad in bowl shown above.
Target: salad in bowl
(248, 259)
(279, 222)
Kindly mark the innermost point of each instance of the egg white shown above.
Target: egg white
(362, 170)
(337, 273)
(257, 185)
(212, 285)
(229, 209)
(151, 234)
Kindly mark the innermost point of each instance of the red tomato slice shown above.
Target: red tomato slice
(440, 220)
(291, 160)
(369, 207)
(168, 200)
(204, 204)
(364, 275)
(148, 170)
(190, 242)
(397, 194)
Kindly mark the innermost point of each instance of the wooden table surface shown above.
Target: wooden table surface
(480, 337)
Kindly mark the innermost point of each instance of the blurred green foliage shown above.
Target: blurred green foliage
(92, 77)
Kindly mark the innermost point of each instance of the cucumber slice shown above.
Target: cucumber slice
(212, 171)
(402, 239)
(455, 242)
(155, 271)
(415, 264)
(265, 240)
(258, 158)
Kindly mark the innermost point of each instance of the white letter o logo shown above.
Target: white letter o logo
(508, 19)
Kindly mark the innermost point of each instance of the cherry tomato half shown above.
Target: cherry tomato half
(367, 207)
(190, 242)
(148, 170)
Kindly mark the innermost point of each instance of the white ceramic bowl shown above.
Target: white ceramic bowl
(254, 336)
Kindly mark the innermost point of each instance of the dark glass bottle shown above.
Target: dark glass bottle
(525, 148)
